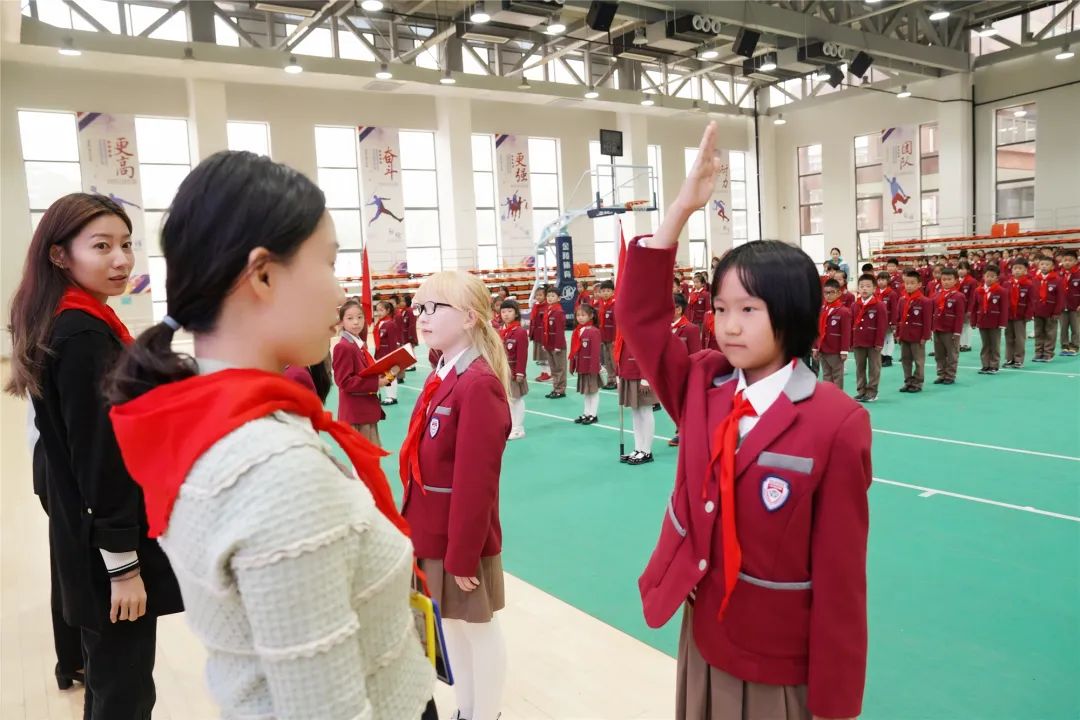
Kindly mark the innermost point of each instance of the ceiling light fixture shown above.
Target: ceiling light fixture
(1019, 112)
(555, 26)
(479, 15)
(447, 78)
(939, 14)
(710, 54)
(371, 5)
(779, 120)
(524, 84)
(591, 93)
(68, 48)
(987, 30)
(647, 101)
(768, 65)
(822, 75)
(639, 37)
(293, 68)
(1065, 54)
(384, 72)
(904, 92)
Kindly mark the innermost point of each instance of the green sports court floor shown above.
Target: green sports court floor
(974, 562)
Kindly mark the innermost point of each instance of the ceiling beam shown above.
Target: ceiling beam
(1044, 46)
(86, 16)
(337, 8)
(435, 39)
(1069, 7)
(576, 44)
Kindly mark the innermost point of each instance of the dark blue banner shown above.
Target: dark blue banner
(564, 274)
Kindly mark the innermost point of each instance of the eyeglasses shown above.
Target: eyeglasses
(429, 307)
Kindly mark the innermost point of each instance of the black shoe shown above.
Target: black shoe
(906, 388)
(656, 407)
(610, 386)
(984, 371)
(580, 419)
(886, 361)
(589, 420)
(412, 369)
(991, 371)
(65, 681)
(939, 381)
(640, 458)
(673, 442)
(869, 399)
(914, 389)
(1009, 364)
(965, 348)
(860, 398)
(930, 355)
(389, 402)
(555, 395)
(947, 382)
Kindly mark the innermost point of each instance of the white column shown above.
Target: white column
(955, 149)
(207, 117)
(457, 200)
(634, 127)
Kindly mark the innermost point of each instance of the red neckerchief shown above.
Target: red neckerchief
(376, 331)
(364, 352)
(861, 305)
(75, 298)
(547, 325)
(575, 339)
(943, 295)
(164, 432)
(681, 322)
(409, 455)
(1014, 294)
(505, 332)
(911, 298)
(984, 293)
(826, 311)
(584, 299)
(1044, 281)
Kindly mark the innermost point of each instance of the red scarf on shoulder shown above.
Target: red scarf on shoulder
(860, 308)
(75, 298)
(826, 311)
(1014, 294)
(984, 293)
(163, 433)
(505, 332)
(1044, 281)
(681, 322)
(575, 339)
(911, 299)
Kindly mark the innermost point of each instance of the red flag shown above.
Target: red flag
(620, 264)
(365, 289)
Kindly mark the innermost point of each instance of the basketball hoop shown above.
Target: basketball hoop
(637, 205)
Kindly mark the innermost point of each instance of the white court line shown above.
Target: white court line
(1025, 371)
(947, 441)
(930, 492)
(925, 491)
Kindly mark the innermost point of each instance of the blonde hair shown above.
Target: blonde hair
(466, 292)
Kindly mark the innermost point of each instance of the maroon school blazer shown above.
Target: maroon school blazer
(798, 612)
(358, 397)
(455, 516)
(587, 361)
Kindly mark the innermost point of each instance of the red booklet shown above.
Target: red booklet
(402, 358)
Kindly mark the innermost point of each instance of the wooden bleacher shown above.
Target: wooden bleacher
(1001, 236)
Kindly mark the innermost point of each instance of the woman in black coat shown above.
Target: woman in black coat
(113, 580)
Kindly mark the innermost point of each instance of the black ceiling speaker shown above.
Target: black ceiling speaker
(836, 75)
(601, 14)
(746, 42)
(860, 64)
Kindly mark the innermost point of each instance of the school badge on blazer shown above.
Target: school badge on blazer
(774, 492)
(433, 427)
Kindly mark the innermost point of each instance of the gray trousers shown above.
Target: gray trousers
(867, 370)
(913, 359)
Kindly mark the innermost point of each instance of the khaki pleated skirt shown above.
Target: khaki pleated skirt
(588, 384)
(370, 431)
(704, 692)
(519, 388)
(477, 606)
(538, 352)
(633, 395)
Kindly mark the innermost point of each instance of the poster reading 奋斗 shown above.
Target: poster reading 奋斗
(382, 199)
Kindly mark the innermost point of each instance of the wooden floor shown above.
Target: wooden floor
(563, 665)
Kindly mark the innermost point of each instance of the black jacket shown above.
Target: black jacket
(93, 503)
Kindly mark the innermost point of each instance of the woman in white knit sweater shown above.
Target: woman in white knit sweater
(295, 574)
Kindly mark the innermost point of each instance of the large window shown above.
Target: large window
(544, 182)
(868, 192)
(1015, 162)
(164, 161)
(811, 197)
(697, 226)
(50, 147)
(740, 230)
(251, 136)
(487, 209)
(929, 171)
(339, 177)
(136, 17)
(423, 246)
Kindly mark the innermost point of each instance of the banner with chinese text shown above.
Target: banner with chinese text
(382, 199)
(900, 209)
(719, 208)
(109, 165)
(514, 198)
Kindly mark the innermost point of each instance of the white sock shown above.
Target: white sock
(889, 345)
(517, 414)
(478, 699)
(461, 665)
(592, 403)
(644, 428)
(391, 390)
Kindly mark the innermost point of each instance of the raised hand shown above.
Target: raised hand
(700, 181)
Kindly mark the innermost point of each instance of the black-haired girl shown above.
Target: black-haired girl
(774, 608)
(296, 574)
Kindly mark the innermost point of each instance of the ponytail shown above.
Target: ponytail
(147, 363)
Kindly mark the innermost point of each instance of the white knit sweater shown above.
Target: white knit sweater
(295, 582)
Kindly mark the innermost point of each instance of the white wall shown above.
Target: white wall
(964, 191)
(293, 112)
(1057, 151)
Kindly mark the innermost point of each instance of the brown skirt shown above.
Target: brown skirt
(633, 395)
(477, 606)
(519, 388)
(703, 692)
(370, 431)
(588, 384)
(539, 353)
